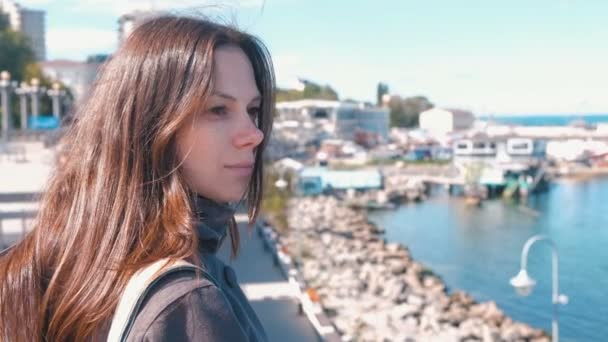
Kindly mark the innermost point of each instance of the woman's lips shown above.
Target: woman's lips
(241, 169)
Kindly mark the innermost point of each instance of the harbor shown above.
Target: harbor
(468, 206)
(475, 251)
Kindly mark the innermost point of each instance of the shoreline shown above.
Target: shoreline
(579, 174)
(371, 290)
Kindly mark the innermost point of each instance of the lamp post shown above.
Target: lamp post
(23, 91)
(524, 284)
(56, 94)
(281, 183)
(5, 85)
(35, 91)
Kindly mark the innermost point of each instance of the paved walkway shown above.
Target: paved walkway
(271, 296)
(20, 180)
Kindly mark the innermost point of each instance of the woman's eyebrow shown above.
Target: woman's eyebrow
(232, 98)
(257, 98)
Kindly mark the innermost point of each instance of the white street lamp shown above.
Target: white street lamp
(281, 183)
(35, 88)
(56, 93)
(5, 85)
(35, 91)
(23, 92)
(524, 284)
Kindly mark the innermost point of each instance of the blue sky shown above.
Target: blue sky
(541, 56)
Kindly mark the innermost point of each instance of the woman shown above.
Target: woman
(172, 135)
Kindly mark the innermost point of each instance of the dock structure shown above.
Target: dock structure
(441, 180)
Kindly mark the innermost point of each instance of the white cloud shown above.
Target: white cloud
(78, 43)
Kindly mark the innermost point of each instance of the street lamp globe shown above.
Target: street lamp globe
(5, 75)
(281, 183)
(523, 283)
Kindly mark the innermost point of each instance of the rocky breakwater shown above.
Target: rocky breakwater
(374, 291)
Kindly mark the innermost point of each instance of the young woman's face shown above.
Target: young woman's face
(218, 150)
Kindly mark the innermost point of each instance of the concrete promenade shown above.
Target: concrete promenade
(22, 177)
(270, 294)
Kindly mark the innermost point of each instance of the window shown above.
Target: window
(520, 146)
(320, 114)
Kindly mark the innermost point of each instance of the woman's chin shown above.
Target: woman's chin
(226, 197)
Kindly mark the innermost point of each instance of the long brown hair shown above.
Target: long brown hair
(119, 201)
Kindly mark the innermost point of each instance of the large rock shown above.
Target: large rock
(461, 298)
(488, 311)
(397, 266)
(455, 315)
(401, 311)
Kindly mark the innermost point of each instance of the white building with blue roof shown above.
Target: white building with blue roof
(316, 180)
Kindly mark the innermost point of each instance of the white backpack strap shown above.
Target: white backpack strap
(134, 292)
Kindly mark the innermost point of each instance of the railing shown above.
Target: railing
(9, 238)
(540, 173)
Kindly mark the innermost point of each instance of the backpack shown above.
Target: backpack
(136, 290)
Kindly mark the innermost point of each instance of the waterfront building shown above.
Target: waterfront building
(599, 131)
(563, 143)
(573, 150)
(306, 110)
(503, 150)
(317, 180)
(295, 139)
(509, 163)
(29, 22)
(332, 151)
(399, 135)
(367, 125)
(440, 122)
(342, 120)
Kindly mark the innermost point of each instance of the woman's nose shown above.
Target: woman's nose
(248, 135)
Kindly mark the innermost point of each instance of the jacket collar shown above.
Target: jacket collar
(212, 224)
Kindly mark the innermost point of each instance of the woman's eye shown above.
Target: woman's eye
(254, 112)
(219, 110)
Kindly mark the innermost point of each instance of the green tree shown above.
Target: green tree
(405, 112)
(16, 51)
(33, 70)
(4, 22)
(311, 91)
(274, 203)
